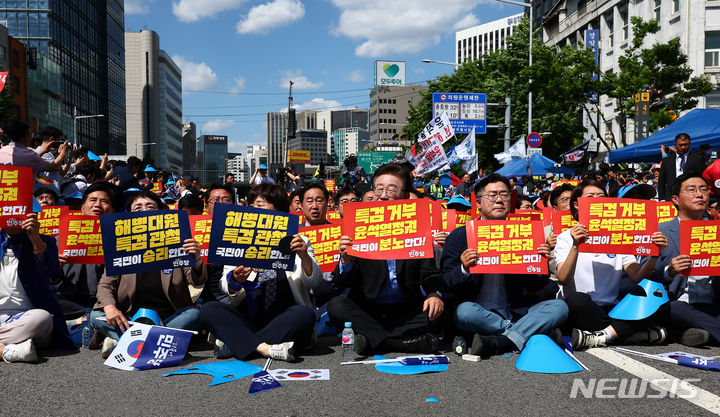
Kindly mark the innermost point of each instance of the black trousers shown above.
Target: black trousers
(379, 322)
(243, 335)
(586, 315)
(704, 316)
(71, 310)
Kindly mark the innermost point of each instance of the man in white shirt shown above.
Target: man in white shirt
(260, 176)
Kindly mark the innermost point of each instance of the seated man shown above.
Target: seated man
(392, 304)
(502, 310)
(212, 290)
(29, 315)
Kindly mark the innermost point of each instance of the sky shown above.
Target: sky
(237, 56)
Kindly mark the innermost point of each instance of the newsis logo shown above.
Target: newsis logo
(611, 388)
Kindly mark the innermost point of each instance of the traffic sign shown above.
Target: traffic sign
(464, 110)
(533, 151)
(534, 140)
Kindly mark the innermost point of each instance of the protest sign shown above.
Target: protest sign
(200, 225)
(438, 128)
(435, 216)
(461, 218)
(506, 247)
(547, 213)
(16, 188)
(526, 216)
(666, 211)
(156, 187)
(330, 186)
(618, 226)
(144, 346)
(562, 220)
(397, 229)
(145, 241)
(699, 239)
(448, 220)
(80, 239)
(333, 217)
(325, 241)
(250, 237)
(49, 219)
(432, 159)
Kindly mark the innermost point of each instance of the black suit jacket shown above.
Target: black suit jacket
(695, 162)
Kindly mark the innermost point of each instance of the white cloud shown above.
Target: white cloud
(262, 18)
(318, 104)
(300, 82)
(218, 126)
(137, 6)
(193, 10)
(195, 76)
(238, 86)
(424, 22)
(356, 76)
(241, 146)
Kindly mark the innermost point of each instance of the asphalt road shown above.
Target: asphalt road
(79, 384)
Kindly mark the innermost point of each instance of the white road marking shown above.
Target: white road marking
(704, 399)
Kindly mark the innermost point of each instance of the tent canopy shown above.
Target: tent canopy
(539, 165)
(702, 125)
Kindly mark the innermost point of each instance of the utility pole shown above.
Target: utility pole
(287, 135)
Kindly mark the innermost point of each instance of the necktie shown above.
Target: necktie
(269, 278)
(682, 161)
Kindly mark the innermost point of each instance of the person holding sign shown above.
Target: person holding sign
(590, 284)
(166, 291)
(502, 310)
(213, 291)
(694, 308)
(270, 311)
(392, 304)
(30, 317)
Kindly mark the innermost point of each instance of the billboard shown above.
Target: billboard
(298, 156)
(389, 73)
(215, 139)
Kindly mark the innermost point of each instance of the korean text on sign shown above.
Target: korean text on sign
(16, 187)
(80, 239)
(701, 240)
(562, 220)
(325, 241)
(666, 211)
(250, 237)
(506, 247)
(145, 241)
(618, 226)
(49, 219)
(397, 229)
(200, 230)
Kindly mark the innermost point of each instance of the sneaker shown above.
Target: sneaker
(582, 339)
(20, 352)
(221, 350)
(484, 346)
(108, 346)
(283, 351)
(426, 343)
(695, 337)
(361, 345)
(653, 335)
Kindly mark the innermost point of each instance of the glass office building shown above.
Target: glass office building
(86, 38)
(212, 153)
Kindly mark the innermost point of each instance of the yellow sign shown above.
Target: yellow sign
(298, 156)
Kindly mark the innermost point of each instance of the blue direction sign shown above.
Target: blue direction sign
(534, 140)
(464, 110)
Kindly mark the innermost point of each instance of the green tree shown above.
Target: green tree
(7, 107)
(562, 81)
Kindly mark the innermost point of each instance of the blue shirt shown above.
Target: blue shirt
(391, 292)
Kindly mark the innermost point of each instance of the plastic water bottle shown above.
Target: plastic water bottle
(348, 343)
(87, 330)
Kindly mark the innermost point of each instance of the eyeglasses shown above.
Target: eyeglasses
(563, 200)
(695, 190)
(347, 200)
(224, 200)
(391, 191)
(655, 170)
(494, 196)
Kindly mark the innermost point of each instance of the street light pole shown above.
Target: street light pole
(432, 61)
(76, 117)
(142, 144)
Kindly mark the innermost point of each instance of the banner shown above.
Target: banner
(330, 186)
(49, 219)
(80, 239)
(471, 165)
(562, 220)
(452, 156)
(144, 346)
(145, 241)
(16, 195)
(556, 184)
(466, 149)
(699, 239)
(325, 241)
(618, 226)
(438, 128)
(397, 229)
(298, 156)
(517, 150)
(433, 158)
(506, 247)
(666, 211)
(250, 237)
(200, 226)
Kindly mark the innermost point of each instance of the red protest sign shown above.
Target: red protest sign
(699, 239)
(333, 217)
(325, 241)
(398, 229)
(435, 216)
(474, 210)
(80, 239)
(526, 216)
(448, 220)
(461, 218)
(547, 213)
(618, 226)
(49, 219)
(200, 226)
(506, 247)
(330, 185)
(666, 211)
(562, 220)
(157, 187)
(16, 187)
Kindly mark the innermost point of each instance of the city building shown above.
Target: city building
(17, 78)
(695, 23)
(255, 155)
(189, 141)
(332, 120)
(277, 131)
(86, 39)
(313, 140)
(211, 156)
(154, 102)
(44, 85)
(348, 140)
(479, 40)
(236, 166)
(389, 107)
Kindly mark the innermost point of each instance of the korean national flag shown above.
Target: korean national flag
(144, 346)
